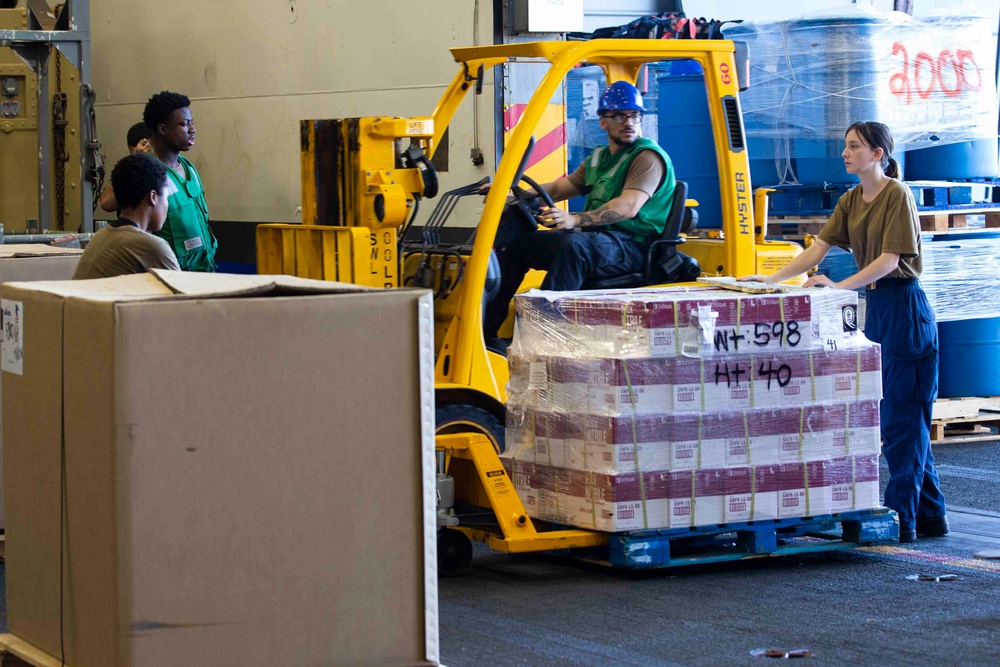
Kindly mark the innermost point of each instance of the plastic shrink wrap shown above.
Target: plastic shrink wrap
(674, 407)
(929, 79)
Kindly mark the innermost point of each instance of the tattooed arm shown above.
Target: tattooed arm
(623, 207)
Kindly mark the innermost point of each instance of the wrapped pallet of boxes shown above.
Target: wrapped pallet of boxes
(34, 262)
(237, 470)
(691, 406)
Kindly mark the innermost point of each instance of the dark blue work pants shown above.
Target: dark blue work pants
(901, 320)
(569, 256)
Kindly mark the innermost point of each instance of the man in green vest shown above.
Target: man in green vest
(629, 186)
(186, 230)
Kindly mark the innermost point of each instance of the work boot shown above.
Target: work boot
(907, 535)
(932, 526)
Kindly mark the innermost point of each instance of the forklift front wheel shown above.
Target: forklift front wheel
(461, 418)
(454, 553)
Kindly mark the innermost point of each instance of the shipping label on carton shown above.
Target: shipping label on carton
(13, 337)
(791, 490)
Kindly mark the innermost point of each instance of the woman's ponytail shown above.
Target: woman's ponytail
(892, 169)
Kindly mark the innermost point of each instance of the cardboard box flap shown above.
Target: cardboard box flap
(22, 250)
(232, 284)
(119, 288)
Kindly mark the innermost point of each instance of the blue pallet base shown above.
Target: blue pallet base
(677, 547)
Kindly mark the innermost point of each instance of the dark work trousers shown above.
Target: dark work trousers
(901, 320)
(570, 256)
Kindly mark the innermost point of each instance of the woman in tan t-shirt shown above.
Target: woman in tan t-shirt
(877, 221)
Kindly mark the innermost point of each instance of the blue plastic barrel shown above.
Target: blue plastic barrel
(838, 264)
(969, 345)
(685, 133)
(963, 160)
(797, 97)
(970, 358)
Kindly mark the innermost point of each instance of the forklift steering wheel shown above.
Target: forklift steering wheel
(524, 198)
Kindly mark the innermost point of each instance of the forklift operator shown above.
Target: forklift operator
(629, 186)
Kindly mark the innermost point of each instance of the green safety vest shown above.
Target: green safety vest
(186, 230)
(604, 175)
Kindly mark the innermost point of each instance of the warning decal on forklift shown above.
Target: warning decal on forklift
(496, 473)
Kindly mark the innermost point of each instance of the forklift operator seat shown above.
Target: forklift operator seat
(660, 255)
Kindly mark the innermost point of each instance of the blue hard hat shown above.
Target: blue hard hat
(620, 96)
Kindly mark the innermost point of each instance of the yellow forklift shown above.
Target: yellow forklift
(362, 183)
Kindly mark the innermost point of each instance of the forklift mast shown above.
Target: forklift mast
(363, 180)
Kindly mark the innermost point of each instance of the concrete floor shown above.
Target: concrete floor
(848, 608)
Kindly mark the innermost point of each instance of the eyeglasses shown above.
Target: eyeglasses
(619, 118)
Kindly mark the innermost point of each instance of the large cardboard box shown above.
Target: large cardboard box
(34, 262)
(239, 470)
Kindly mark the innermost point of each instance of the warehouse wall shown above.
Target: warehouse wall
(253, 70)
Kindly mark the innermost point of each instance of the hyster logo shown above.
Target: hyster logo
(850, 315)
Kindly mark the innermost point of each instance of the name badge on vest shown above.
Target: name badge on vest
(191, 244)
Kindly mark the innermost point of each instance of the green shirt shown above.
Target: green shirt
(186, 230)
(605, 177)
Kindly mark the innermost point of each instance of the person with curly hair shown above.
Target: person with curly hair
(137, 141)
(128, 244)
(168, 116)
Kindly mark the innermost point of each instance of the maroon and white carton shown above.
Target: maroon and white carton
(783, 378)
(866, 482)
(738, 439)
(699, 440)
(709, 496)
(670, 321)
(549, 437)
(622, 443)
(821, 425)
(840, 473)
(611, 386)
(570, 384)
(535, 487)
(771, 431)
(739, 498)
(854, 374)
(681, 494)
(725, 381)
(863, 433)
(765, 492)
(818, 492)
(633, 501)
(605, 502)
(791, 490)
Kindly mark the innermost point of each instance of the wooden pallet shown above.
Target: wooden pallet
(676, 547)
(975, 428)
(791, 227)
(942, 221)
(953, 408)
(15, 652)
